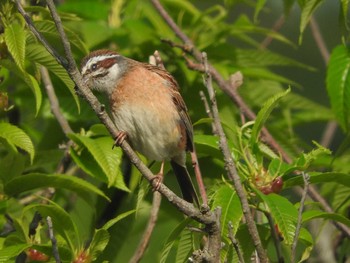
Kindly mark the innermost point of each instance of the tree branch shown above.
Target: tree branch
(230, 166)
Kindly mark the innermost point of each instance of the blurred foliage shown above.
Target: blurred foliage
(101, 205)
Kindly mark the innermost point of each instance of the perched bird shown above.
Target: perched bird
(147, 109)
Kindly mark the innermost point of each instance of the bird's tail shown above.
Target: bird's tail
(187, 188)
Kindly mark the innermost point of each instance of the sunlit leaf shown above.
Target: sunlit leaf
(15, 38)
(17, 137)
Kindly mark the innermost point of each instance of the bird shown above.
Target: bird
(147, 109)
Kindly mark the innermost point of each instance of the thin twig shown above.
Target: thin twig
(276, 27)
(235, 243)
(275, 238)
(306, 178)
(54, 103)
(207, 110)
(157, 198)
(321, 44)
(55, 253)
(230, 166)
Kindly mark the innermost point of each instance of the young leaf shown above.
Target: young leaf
(113, 221)
(15, 38)
(284, 214)
(307, 8)
(36, 180)
(263, 114)
(98, 243)
(338, 84)
(17, 137)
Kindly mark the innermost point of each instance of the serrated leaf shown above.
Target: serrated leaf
(107, 159)
(62, 222)
(310, 215)
(338, 84)
(36, 180)
(340, 178)
(263, 115)
(169, 243)
(11, 252)
(284, 214)
(15, 136)
(307, 8)
(15, 38)
(113, 221)
(231, 209)
(98, 243)
(38, 54)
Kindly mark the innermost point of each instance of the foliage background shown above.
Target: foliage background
(231, 32)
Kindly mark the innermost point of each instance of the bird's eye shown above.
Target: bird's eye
(94, 67)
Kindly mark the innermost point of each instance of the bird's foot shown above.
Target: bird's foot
(120, 138)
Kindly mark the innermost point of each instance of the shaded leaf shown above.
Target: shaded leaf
(36, 180)
(10, 252)
(113, 221)
(169, 243)
(340, 178)
(98, 243)
(263, 114)
(310, 215)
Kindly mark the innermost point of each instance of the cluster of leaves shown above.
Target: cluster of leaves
(96, 187)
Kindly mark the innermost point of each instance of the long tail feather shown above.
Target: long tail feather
(187, 188)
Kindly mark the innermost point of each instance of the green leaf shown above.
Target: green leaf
(27, 78)
(307, 8)
(258, 7)
(36, 180)
(227, 199)
(284, 214)
(17, 137)
(38, 54)
(310, 215)
(34, 85)
(98, 243)
(340, 178)
(113, 221)
(15, 38)
(263, 114)
(62, 222)
(184, 247)
(338, 84)
(107, 159)
(8, 253)
(169, 243)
